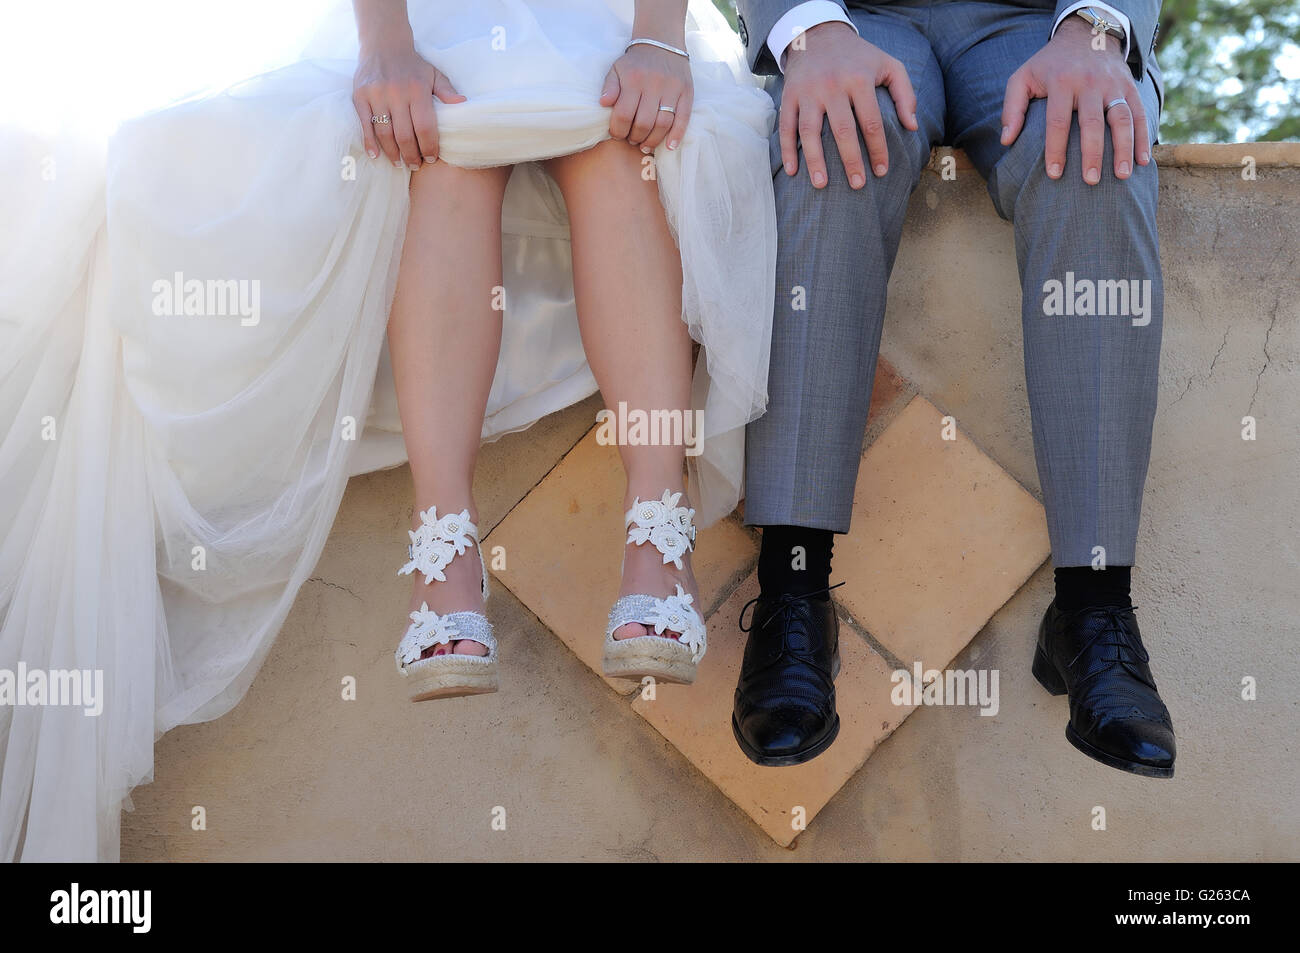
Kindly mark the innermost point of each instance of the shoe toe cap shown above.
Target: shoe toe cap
(783, 731)
(1146, 742)
(1159, 753)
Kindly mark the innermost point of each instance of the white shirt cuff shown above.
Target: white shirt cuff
(1109, 12)
(801, 19)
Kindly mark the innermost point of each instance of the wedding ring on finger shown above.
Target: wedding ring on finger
(381, 120)
(663, 108)
(1122, 101)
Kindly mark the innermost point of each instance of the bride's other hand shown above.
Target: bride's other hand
(646, 78)
(394, 81)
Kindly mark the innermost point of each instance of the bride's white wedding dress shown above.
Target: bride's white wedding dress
(193, 362)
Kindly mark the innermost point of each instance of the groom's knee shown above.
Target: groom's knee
(906, 153)
(1019, 183)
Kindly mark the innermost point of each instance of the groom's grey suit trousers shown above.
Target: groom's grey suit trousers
(1091, 380)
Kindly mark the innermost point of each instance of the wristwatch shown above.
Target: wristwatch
(1100, 24)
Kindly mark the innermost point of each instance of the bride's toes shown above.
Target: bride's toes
(470, 647)
(635, 629)
(630, 631)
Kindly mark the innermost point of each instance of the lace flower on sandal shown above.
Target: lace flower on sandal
(671, 528)
(676, 614)
(427, 630)
(437, 541)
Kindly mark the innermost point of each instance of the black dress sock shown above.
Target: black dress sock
(795, 559)
(1078, 587)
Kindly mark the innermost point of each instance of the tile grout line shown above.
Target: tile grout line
(540, 480)
(981, 448)
(872, 642)
(662, 740)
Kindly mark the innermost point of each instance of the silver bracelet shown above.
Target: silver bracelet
(642, 41)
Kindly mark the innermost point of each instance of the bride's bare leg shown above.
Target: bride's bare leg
(627, 277)
(444, 338)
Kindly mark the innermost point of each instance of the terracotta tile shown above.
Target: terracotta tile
(887, 386)
(942, 537)
(564, 549)
(513, 464)
(697, 720)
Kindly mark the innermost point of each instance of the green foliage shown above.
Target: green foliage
(1221, 63)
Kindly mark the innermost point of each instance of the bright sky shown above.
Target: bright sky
(104, 60)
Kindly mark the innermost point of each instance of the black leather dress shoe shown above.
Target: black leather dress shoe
(785, 700)
(1116, 715)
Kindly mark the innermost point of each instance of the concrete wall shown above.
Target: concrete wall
(1218, 567)
(296, 773)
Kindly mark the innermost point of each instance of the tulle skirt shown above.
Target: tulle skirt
(193, 360)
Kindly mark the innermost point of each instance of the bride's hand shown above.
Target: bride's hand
(396, 82)
(641, 81)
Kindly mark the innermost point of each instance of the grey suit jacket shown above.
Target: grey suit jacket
(757, 17)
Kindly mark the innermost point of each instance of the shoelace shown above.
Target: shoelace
(784, 603)
(1120, 636)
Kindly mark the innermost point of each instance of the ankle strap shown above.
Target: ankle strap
(669, 527)
(439, 540)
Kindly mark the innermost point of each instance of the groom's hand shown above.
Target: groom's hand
(1075, 75)
(835, 74)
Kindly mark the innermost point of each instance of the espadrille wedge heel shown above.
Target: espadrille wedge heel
(671, 530)
(434, 545)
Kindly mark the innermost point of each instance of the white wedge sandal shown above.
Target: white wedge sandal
(434, 545)
(671, 530)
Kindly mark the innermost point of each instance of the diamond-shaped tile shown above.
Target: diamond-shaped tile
(564, 549)
(886, 387)
(697, 720)
(942, 537)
